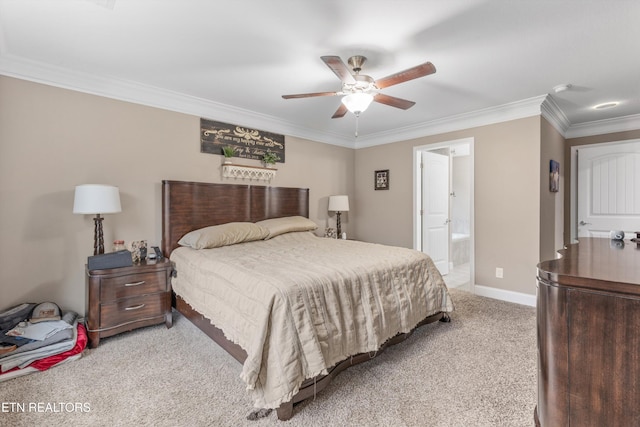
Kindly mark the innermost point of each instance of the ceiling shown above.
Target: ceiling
(232, 60)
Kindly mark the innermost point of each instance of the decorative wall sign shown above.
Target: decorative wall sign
(249, 143)
(381, 180)
(554, 176)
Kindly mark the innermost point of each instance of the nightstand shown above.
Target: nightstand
(126, 298)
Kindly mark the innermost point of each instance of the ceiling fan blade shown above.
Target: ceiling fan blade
(406, 75)
(339, 67)
(309, 95)
(340, 112)
(393, 101)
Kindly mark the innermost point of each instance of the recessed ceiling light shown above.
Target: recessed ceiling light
(561, 88)
(605, 105)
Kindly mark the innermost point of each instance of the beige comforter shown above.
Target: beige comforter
(298, 304)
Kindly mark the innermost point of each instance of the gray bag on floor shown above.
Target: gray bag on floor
(11, 317)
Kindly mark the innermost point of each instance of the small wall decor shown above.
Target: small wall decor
(248, 143)
(554, 176)
(381, 179)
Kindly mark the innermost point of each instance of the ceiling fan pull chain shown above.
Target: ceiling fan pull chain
(357, 117)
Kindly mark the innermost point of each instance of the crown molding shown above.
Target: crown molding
(600, 127)
(502, 113)
(554, 115)
(151, 96)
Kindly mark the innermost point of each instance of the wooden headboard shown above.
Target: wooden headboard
(187, 206)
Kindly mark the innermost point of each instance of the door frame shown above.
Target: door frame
(573, 195)
(417, 197)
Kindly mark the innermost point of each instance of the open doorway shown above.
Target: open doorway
(443, 208)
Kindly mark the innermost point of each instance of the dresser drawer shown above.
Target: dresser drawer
(132, 309)
(113, 288)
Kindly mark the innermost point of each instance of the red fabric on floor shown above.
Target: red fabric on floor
(47, 362)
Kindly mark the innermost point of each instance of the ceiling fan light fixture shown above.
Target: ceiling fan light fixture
(357, 102)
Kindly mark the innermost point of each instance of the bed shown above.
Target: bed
(282, 301)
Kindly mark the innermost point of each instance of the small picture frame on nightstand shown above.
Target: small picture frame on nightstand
(138, 250)
(330, 233)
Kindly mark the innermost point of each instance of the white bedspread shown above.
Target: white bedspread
(298, 304)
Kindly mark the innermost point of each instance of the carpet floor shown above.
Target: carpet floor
(478, 370)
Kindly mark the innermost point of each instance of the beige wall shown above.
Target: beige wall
(551, 204)
(506, 192)
(53, 139)
(586, 140)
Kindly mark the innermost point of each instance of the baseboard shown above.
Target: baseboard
(504, 295)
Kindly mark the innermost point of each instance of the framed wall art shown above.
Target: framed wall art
(381, 179)
(554, 176)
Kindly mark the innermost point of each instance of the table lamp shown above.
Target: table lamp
(339, 204)
(96, 199)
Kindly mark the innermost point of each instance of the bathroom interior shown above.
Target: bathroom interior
(460, 215)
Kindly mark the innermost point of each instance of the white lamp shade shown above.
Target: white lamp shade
(339, 203)
(96, 199)
(357, 102)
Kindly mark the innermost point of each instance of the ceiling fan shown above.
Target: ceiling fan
(360, 90)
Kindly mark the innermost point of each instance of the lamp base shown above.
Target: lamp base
(338, 225)
(98, 237)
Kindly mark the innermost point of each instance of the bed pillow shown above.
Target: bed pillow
(277, 226)
(216, 236)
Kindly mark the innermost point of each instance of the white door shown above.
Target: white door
(609, 189)
(435, 208)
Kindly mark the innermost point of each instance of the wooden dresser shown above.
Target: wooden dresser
(589, 336)
(122, 299)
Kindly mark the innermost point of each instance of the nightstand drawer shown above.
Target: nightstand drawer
(133, 284)
(132, 309)
(122, 299)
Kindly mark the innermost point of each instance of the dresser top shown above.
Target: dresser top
(596, 263)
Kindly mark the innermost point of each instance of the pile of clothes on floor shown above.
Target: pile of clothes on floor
(35, 337)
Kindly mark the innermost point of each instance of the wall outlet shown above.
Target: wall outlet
(499, 273)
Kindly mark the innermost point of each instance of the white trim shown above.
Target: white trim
(135, 92)
(417, 200)
(138, 93)
(601, 127)
(504, 295)
(501, 113)
(554, 115)
(573, 195)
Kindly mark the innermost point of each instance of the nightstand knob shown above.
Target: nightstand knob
(135, 307)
